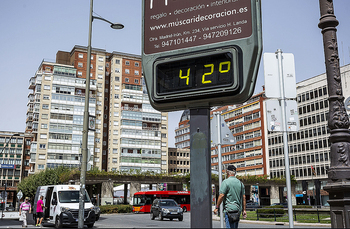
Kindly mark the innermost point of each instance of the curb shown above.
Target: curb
(216, 218)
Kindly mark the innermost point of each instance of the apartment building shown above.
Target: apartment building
(182, 133)
(179, 160)
(14, 164)
(246, 122)
(309, 147)
(128, 134)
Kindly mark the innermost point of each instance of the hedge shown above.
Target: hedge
(271, 211)
(108, 209)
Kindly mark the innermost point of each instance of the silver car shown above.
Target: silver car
(166, 208)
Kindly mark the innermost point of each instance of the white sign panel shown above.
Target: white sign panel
(227, 137)
(272, 78)
(274, 115)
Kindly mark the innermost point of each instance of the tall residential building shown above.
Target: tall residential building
(309, 147)
(129, 133)
(14, 164)
(182, 133)
(246, 122)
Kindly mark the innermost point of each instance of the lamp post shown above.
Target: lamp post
(338, 122)
(86, 115)
(4, 197)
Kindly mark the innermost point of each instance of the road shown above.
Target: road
(130, 220)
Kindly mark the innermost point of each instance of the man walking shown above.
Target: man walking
(24, 209)
(39, 211)
(232, 194)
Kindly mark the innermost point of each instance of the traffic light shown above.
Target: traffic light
(200, 53)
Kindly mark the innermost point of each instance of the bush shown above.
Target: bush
(108, 209)
(271, 211)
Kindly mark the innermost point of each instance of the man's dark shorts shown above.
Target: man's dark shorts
(40, 215)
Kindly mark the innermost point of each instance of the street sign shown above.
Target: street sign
(19, 195)
(274, 115)
(226, 135)
(272, 78)
(200, 53)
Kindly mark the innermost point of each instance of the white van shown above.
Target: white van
(62, 202)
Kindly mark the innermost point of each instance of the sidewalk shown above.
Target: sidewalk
(11, 221)
(217, 218)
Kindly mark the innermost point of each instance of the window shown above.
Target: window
(41, 167)
(117, 79)
(127, 71)
(115, 151)
(117, 70)
(44, 116)
(117, 61)
(136, 81)
(43, 126)
(136, 64)
(100, 68)
(127, 62)
(100, 59)
(42, 146)
(127, 80)
(41, 156)
(80, 73)
(99, 76)
(114, 160)
(137, 72)
(80, 65)
(45, 106)
(81, 55)
(46, 87)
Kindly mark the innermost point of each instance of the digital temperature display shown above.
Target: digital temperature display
(195, 74)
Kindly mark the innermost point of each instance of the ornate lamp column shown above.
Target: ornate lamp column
(338, 123)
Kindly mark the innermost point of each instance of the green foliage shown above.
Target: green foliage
(271, 211)
(253, 179)
(108, 209)
(48, 176)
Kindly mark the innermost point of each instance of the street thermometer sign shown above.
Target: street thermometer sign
(200, 53)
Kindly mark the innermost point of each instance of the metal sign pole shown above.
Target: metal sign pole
(218, 115)
(285, 140)
(201, 213)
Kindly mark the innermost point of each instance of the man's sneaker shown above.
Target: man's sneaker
(36, 225)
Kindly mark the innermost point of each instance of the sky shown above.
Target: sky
(32, 31)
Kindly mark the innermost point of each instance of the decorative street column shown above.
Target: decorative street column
(338, 123)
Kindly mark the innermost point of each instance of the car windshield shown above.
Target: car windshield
(71, 197)
(167, 203)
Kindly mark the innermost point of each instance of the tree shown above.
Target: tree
(50, 176)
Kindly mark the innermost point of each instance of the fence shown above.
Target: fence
(299, 214)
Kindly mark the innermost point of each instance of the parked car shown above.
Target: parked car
(250, 206)
(285, 205)
(166, 208)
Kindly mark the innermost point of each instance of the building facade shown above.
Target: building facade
(246, 123)
(14, 164)
(182, 133)
(129, 133)
(179, 160)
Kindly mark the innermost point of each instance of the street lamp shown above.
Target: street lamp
(86, 115)
(2, 212)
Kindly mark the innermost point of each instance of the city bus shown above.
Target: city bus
(142, 201)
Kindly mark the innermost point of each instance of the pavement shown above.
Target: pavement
(15, 222)
(217, 218)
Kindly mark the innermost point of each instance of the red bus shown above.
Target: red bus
(142, 201)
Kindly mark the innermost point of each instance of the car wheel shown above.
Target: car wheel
(181, 218)
(58, 223)
(171, 219)
(152, 216)
(160, 216)
(184, 209)
(90, 225)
